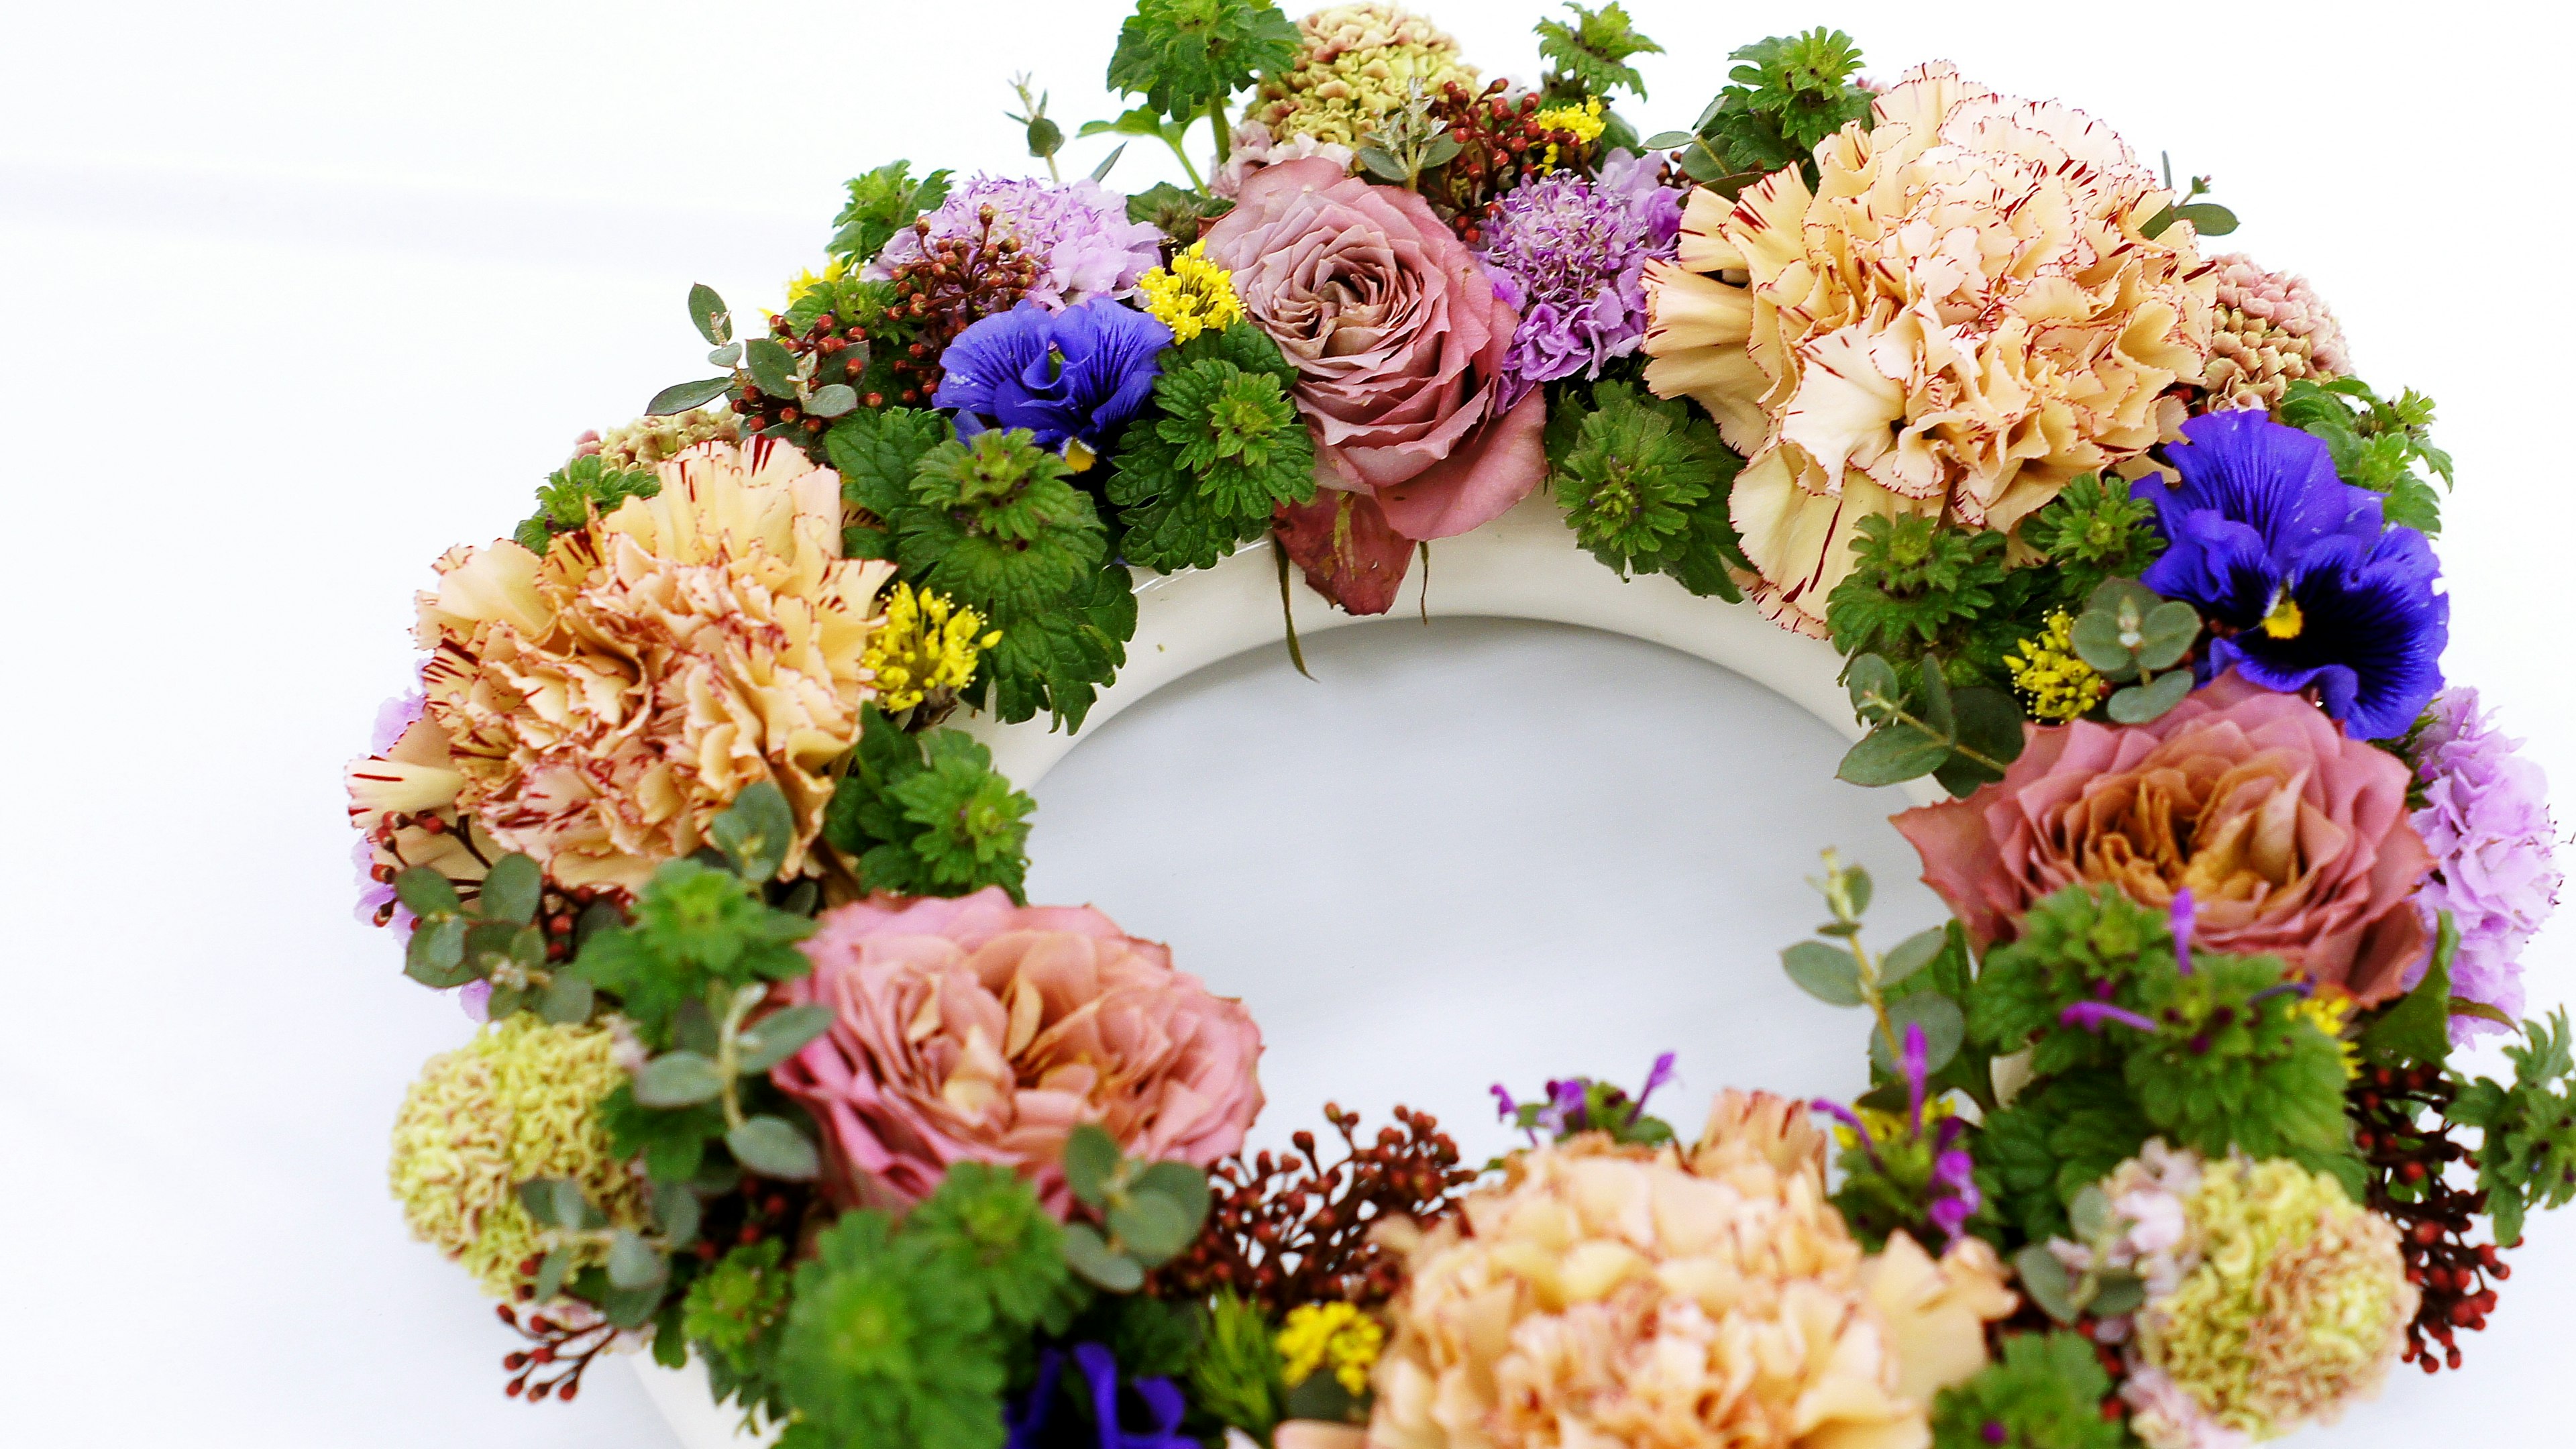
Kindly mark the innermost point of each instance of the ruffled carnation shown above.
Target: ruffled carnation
(1078, 234)
(2495, 867)
(973, 1030)
(519, 1101)
(1356, 63)
(1964, 315)
(2273, 1300)
(1570, 256)
(2271, 329)
(602, 704)
(1657, 1300)
(2292, 838)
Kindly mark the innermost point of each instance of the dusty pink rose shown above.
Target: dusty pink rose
(976, 1030)
(1398, 340)
(2292, 839)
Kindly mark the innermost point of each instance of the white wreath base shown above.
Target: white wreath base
(1523, 565)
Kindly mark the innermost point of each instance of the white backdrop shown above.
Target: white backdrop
(301, 294)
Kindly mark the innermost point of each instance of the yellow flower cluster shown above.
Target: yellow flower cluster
(806, 281)
(2297, 1306)
(1192, 295)
(518, 1101)
(2331, 1011)
(1586, 121)
(2055, 684)
(1338, 1335)
(927, 643)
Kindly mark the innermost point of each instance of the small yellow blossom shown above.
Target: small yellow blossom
(804, 282)
(1585, 121)
(1891, 1126)
(1192, 295)
(1336, 1334)
(927, 643)
(2054, 682)
(2330, 1011)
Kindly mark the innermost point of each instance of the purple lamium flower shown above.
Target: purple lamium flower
(1079, 235)
(2486, 820)
(1570, 256)
(2301, 582)
(1078, 375)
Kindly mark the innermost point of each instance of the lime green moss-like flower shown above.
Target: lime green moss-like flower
(2055, 684)
(927, 644)
(1356, 63)
(1192, 295)
(2294, 1306)
(641, 444)
(519, 1101)
(1329, 1335)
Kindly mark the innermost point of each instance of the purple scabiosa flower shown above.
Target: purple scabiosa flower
(1079, 235)
(1078, 375)
(2486, 821)
(1570, 255)
(2302, 584)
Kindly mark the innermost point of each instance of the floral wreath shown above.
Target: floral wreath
(779, 1072)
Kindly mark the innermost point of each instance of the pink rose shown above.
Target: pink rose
(976, 1030)
(1398, 340)
(2292, 839)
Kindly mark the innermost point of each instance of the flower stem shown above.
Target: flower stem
(1224, 136)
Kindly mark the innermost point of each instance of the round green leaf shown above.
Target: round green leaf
(1089, 1255)
(1892, 754)
(565, 1206)
(707, 314)
(1874, 689)
(1911, 955)
(772, 366)
(633, 1265)
(676, 1211)
(2044, 1279)
(780, 1035)
(1829, 975)
(2140, 703)
(436, 956)
(1667, 140)
(426, 893)
(832, 401)
(568, 1000)
(1943, 1029)
(511, 890)
(1091, 1159)
(772, 1147)
(551, 1273)
(679, 397)
(678, 1079)
(1150, 1226)
(755, 831)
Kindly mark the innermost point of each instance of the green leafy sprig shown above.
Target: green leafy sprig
(1188, 57)
(1961, 737)
(1644, 482)
(927, 815)
(638, 1274)
(1147, 1211)
(2137, 638)
(1590, 55)
(1788, 94)
(1915, 587)
(576, 491)
(2045, 1391)
(494, 937)
(1840, 971)
(2380, 445)
(2100, 1290)
(1219, 452)
(2528, 1159)
(883, 202)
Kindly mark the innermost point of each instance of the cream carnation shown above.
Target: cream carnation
(604, 702)
(1652, 1300)
(1963, 315)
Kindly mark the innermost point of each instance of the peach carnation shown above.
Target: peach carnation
(2293, 840)
(1662, 1300)
(1963, 315)
(603, 702)
(973, 1030)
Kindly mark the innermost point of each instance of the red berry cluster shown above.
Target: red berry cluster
(563, 1352)
(2403, 1131)
(558, 909)
(956, 281)
(759, 1209)
(840, 350)
(1500, 145)
(1289, 1230)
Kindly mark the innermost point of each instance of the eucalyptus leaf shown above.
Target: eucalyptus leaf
(1701, 165)
(2140, 703)
(2044, 1279)
(1944, 1028)
(755, 832)
(1668, 140)
(833, 400)
(678, 1079)
(2168, 631)
(1090, 1256)
(1911, 955)
(676, 1211)
(1150, 1227)
(707, 314)
(1936, 699)
(630, 1307)
(1441, 152)
(1184, 1186)
(2090, 1214)
(503, 1003)
(1892, 754)
(2207, 217)
(1382, 163)
(772, 366)
(727, 355)
(2117, 1294)
(1829, 975)
(511, 889)
(780, 1035)
(1856, 888)
(772, 1147)
(565, 1205)
(679, 397)
(1091, 1160)
(551, 1273)
(568, 1000)
(436, 955)
(1874, 688)
(537, 1195)
(694, 1027)
(426, 893)
(632, 1263)
(2096, 637)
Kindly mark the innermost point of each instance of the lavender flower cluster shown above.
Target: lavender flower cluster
(1570, 256)
(2486, 821)
(1079, 235)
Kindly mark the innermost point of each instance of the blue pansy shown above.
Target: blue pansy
(1078, 375)
(2300, 581)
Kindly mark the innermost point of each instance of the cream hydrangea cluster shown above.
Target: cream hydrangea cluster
(604, 702)
(1356, 63)
(1965, 313)
(2272, 329)
(1658, 1299)
(2273, 1300)
(647, 442)
(519, 1101)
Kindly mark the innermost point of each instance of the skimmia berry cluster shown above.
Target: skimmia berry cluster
(700, 805)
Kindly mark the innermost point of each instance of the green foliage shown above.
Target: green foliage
(672, 1142)
(2093, 531)
(881, 203)
(1915, 587)
(2415, 1030)
(492, 937)
(2058, 1137)
(1590, 55)
(2235, 1065)
(927, 815)
(2383, 446)
(697, 929)
(1644, 481)
(890, 1342)
(876, 451)
(1150, 1337)
(1147, 1212)
(574, 491)
(1789, 93)
(1176, 211)
(1219, 452)
(2084, 943)
(2128, 633)
(1235, 1375)
(1186, 56)
(2045, 1392)
(2528, 1159)
(985, 1225)
(731, 1315)
(1921, 726)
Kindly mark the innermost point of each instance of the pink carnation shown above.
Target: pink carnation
(2292, 838)
(976, 1030)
